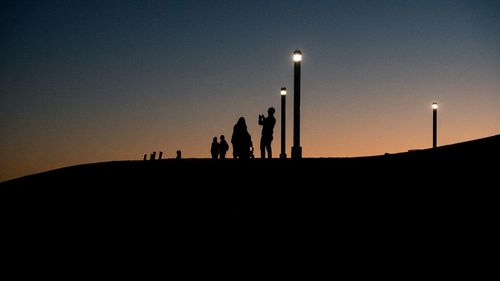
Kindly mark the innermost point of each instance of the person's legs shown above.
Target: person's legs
(269, 150)
(262, 147)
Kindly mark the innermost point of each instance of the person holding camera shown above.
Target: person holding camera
(267, 133)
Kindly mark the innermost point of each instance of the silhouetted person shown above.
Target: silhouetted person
(267, 133)
(214, 149)
(223, 147)
(161, 155)
(241, 140)
(145, 156)
(153, 155)
(178, 154)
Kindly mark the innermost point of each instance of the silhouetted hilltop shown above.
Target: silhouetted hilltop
(434, 187)
(160, 172)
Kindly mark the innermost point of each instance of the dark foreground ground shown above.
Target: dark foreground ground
(442, 195)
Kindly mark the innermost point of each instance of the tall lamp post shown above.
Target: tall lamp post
(283, 122)
(434, 124)
(296, 149)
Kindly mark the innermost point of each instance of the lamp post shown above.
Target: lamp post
(434, 124)
(296, 149)
(283, 122)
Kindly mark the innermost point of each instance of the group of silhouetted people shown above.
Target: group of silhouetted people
(219, 149)
(242, 141)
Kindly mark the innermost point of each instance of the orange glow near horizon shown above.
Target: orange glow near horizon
(364, 135)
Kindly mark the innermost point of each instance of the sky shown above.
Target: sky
(92, 81)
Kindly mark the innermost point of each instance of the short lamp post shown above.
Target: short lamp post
(283, 123)
(434, 124)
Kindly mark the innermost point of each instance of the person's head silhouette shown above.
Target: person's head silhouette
(215, 139)
(271, 111)
(222, 137)
(241, 123)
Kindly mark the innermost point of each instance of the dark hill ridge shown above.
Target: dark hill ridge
(470, 153)
(435, 186)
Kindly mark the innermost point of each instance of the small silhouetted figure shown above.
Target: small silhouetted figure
(160, 155)
(267, 133)
(153, 155)
(223, 147)
(214, 149)
(145, 156)
(178, 154)
(241, 140)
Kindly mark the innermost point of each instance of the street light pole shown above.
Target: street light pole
(434, 124)
(296, 149)
(283, 122)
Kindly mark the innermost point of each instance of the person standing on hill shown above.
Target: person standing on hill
(267, 133)
(241, 140)
(223, 147)
(214, 149)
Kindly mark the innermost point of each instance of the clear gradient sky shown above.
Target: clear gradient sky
(91, 81)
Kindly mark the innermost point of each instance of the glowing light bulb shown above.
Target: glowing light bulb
(297, 56)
